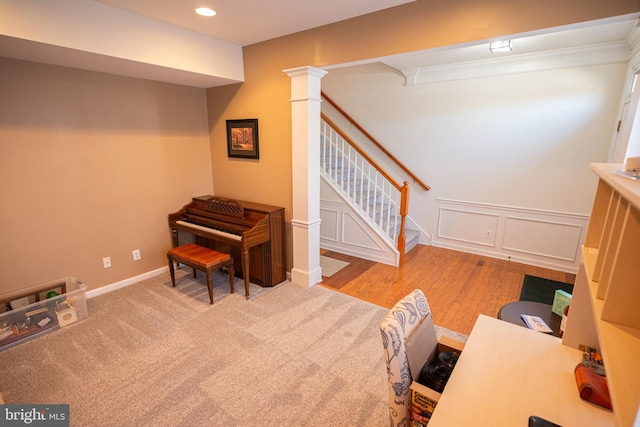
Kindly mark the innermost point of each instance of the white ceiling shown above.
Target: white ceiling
(587, 34)
(244, 22)
(599, 42)
(81, 25)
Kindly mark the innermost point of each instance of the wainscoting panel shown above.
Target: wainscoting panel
(354, 234)
(537, 237)
(341, 230)
(468, 226)
(329, 224)
(545, 238)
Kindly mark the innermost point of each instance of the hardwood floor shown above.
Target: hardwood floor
(458, 286)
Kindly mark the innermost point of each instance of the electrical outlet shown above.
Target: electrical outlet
(136, 254)
(106, 262)
(487, 234)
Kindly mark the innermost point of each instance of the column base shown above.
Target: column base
(306, 278)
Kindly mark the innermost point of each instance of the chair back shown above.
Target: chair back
(396, 327)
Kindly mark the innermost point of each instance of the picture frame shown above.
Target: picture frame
(242, 138)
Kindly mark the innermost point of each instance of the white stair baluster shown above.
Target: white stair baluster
(360, 181)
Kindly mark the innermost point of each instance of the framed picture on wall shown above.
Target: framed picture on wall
(242, 138)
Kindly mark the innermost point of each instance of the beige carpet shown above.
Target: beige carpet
(331, 266)
(152, 355)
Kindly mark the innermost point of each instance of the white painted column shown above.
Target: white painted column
(305, 135)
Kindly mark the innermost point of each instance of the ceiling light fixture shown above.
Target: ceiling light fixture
(205, 11)
(500, 46)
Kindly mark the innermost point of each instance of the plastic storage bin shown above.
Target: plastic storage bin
(41, 309)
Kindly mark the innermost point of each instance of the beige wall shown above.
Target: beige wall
(90, 166)
(415, 26)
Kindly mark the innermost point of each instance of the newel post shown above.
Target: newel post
(404, 211)
(305, 153)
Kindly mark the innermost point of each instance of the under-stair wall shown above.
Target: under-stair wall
(343, 230)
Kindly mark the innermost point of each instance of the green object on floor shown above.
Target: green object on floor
(542, 290)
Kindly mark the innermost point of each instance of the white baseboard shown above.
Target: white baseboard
(537, 262)
(126, 282)
(135, 279)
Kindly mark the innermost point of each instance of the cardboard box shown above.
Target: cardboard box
(21, 323)
(561, 299)
(422, 347)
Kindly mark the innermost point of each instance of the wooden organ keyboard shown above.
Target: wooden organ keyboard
(252, 233)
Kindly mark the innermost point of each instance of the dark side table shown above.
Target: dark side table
(511, 313)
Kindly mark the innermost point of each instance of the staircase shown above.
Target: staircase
(380, 202)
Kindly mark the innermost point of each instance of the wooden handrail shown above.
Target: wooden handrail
(375, 142)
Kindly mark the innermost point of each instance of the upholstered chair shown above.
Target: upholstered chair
(396, 327)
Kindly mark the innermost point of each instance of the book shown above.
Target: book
(536, 323)
(561, 299)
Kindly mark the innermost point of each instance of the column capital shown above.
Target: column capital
(305, 83)
(305, 71)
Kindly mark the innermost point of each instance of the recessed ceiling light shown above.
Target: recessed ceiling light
(205, 11)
